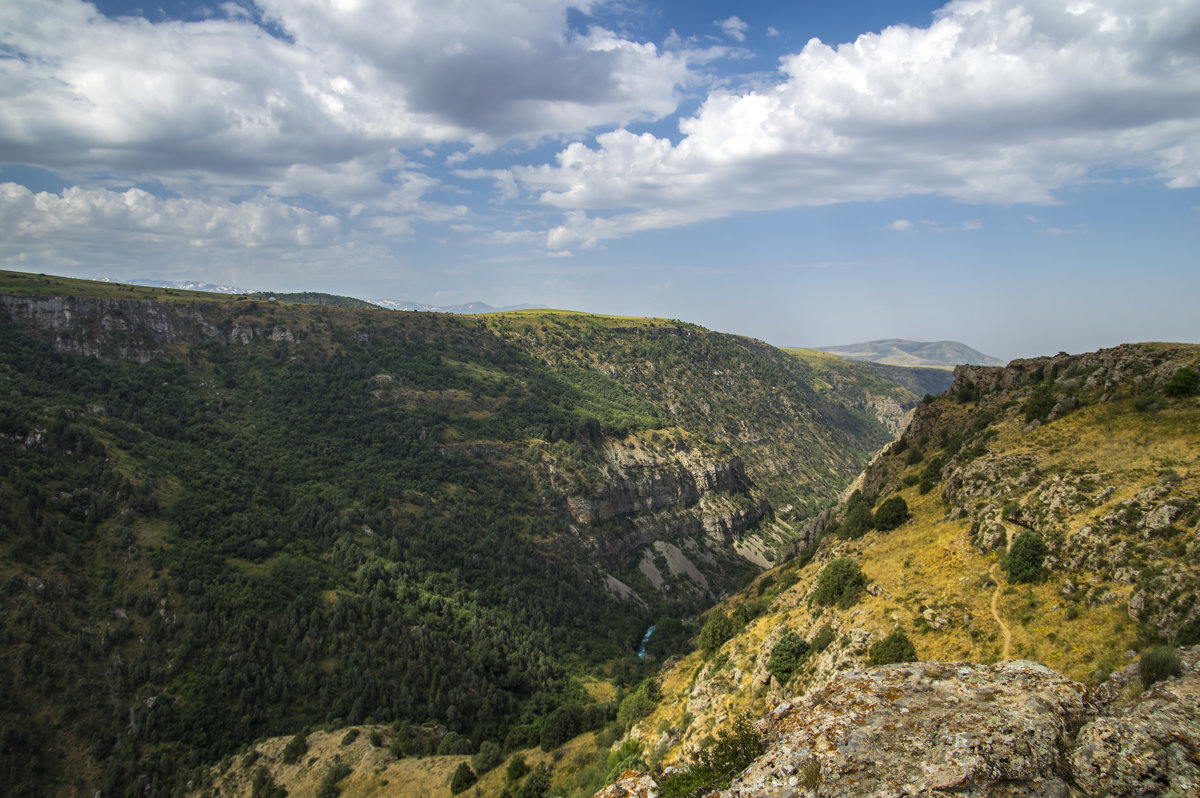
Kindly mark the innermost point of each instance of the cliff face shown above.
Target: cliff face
(673, 509)
(1015, 728)
(129, 329)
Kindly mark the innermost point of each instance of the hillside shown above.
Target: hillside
(899, 352)
(229, 518)
(1052, 514)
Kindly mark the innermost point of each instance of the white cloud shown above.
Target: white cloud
(998, 101)
(138, 214)
(223, 97)
(733, 27)
(772, 32)
(902, 225)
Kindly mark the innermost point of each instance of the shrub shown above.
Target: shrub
(516, 768)
(718, 764)
(463, 778)
(787, 655)
(891, 514)
(914, 456)
(1025, 558)
(489, 757)
(717, 629)
(823, 638)
(296, 748)
(454, 744)
(538, 783)
(349, 737)
(858, 520)
(1189, 634)
(1039, 404)
(896, 647)
(1182, 383)
(1159, 663)
(841, 582)
(336, 772)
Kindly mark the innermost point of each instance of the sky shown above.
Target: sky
(1019, 175)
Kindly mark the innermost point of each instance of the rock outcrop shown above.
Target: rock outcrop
(959, 728)
(129, 329)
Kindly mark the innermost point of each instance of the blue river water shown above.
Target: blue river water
(645, 639)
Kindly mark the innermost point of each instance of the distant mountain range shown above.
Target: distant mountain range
(467, 308)
(899, 352)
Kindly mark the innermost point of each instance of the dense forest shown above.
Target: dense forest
(346, 524)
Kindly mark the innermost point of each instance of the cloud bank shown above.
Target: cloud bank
(998, 101)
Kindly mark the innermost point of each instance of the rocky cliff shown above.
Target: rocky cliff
(131, 329)
(960, 728)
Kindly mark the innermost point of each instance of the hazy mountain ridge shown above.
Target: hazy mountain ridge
(900, 352)
(319, 298)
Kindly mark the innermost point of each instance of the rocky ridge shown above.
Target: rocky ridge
(938, 728)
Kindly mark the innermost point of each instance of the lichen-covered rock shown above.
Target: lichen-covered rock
(1150, 746)
(911, 729)
(631, 784)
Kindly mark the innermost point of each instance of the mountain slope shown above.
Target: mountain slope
(227, 518)
(899, 352)
(1094, 455)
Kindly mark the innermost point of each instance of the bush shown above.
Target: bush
(349, 737)
(1025, 558)
(1182, 383)
(896, 647)
(463, 778)
(841, 582)
(1159, 663)
(891, 514)
(717, 629)
(336, 772)
(516, 768)
(857, 522)
(489, 757)
(786, 656)
(538, 783)
(454, 744)
(1039, 404)
(718, 764)
(823, 638)
(1189, 634)
(296, 748)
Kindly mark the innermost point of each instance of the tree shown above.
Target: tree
(1182, 383)
(717, 629)
(463, 778)
(1025, 557)
(891, 514)
(840, 583)
(537, 784)
(786, 656)
(296, 748)
(896, 647)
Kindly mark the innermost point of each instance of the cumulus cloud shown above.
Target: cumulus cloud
(901, 225)
(224, 97)
(734, 28)
(137, 213)
(998, 101)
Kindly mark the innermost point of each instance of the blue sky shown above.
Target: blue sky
(1020, 175)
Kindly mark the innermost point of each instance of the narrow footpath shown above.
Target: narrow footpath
(996, 614)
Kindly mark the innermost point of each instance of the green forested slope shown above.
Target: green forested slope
(345, 517)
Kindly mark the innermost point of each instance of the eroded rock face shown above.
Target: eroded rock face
(1147, 746)
(933, 726)
(126, 329)
(959, 728)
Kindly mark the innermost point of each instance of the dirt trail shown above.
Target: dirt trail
(996, 614)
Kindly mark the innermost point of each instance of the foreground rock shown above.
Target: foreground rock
(958, 728)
